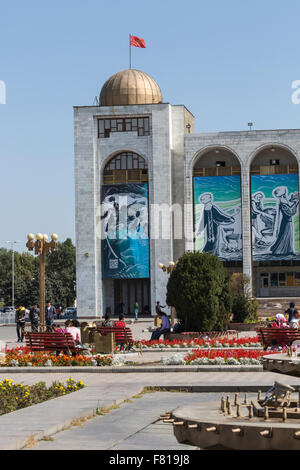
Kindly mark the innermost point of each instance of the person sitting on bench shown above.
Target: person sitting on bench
(164, 328)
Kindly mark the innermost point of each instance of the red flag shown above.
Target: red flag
(137, 42)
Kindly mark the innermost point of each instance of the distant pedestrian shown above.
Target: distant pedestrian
(34, 317)
(121, 307)
(136, 310)
(50, 313)
(20, 318)
(290, 312)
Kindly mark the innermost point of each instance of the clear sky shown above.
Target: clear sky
(229, 62)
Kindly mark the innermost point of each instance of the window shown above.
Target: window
(282, 279)
(139, 125)
(220, 163)
(274, 279)
(274, 162)
(126, 161)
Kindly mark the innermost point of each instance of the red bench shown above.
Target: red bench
(277, 336)
(122, 335)
(57, 342)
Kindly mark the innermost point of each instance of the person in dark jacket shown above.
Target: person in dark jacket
(34, 317)
(290, 312)
(50, 312)
(20, 322)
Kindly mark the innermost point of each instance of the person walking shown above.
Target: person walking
(136, 310)
(20, 318)
(50, 313)
(34, 317)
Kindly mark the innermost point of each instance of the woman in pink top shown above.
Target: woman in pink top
(75, 332)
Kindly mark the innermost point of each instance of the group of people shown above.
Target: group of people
(164, 328)
(51, 313)
(290, 318)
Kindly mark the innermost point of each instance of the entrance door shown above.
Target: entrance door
(264, 284)
(128, 291)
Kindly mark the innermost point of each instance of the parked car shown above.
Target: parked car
(8, 310)
(70, 313)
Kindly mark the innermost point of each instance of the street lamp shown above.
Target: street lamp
(169, 269)
(42, 247)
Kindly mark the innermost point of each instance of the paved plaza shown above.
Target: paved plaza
(133, 419)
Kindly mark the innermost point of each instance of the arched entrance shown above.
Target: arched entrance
(274, 186)
(217, 206)
(125, 228)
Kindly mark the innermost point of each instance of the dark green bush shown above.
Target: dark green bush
(244, 307)
(199, 290)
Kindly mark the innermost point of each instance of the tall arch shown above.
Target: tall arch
(217, 205)
(274, 192)
(125, 226)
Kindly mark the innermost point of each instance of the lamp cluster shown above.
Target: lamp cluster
(41, 244)
(168, 268)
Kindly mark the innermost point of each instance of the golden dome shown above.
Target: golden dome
(130, 87)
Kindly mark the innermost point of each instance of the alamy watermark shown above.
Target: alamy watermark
(2, 92)
(123, 217)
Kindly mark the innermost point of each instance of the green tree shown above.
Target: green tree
(60, 279)
(61, 275)
(244, 307)
(199, 290)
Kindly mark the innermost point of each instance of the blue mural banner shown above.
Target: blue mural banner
(217, 216)
(275, 217)
(125, 236)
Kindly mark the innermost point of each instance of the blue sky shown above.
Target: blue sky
(229, 62)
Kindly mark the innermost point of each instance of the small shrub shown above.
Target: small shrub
(17, 396)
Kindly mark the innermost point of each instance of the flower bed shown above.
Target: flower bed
(22, 357)
(201, 343)
(217, 357)
(17, 396)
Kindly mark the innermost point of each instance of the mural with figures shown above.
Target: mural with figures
(125, 239)
(217, 216)
(275, 217)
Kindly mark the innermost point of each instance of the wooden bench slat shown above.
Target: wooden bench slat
(50, 342)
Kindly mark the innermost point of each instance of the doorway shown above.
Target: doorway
(264, 284)
(128, 291)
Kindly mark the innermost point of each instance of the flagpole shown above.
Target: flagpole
(129, 52)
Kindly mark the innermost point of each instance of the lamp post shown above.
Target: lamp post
(169, 269)
(42, 247)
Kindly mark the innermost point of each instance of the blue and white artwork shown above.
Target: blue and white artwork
(275, 217)
(125, 239)
(217, 213)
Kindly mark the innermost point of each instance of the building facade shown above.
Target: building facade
(148, 188)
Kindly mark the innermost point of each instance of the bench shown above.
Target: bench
(122, 335)
(277, 336)
(53, 342)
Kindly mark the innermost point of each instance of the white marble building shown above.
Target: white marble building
(133, 136)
